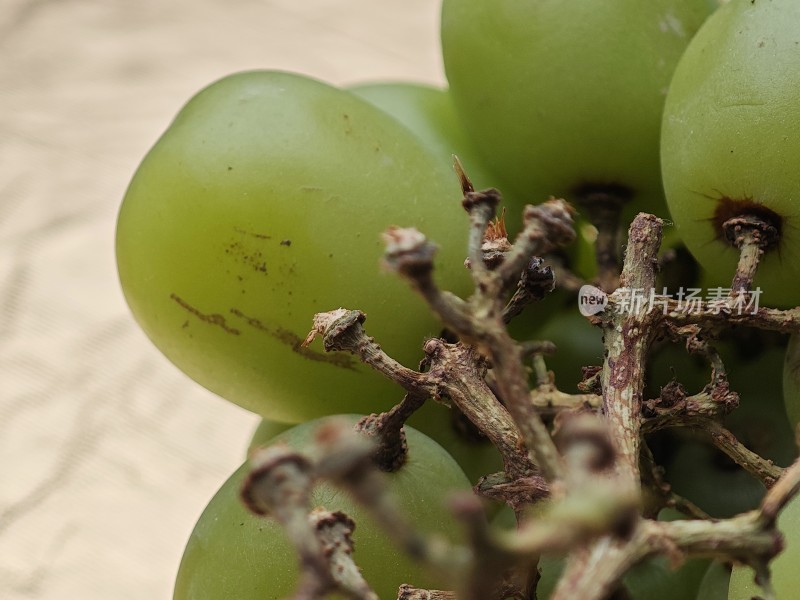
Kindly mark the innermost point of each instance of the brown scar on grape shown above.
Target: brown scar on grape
(728, 208)
(295, 342)
(260, 236)
(212, 318)
(251, 257)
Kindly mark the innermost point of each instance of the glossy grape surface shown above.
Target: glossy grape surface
(475, 455)
(564, 95)
(263, 204)
(235, 554)
(785, 575)
(728, 144)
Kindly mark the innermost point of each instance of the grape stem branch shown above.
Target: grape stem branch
(280, 486)
(479, 321)
(587, 470)
(455, 373)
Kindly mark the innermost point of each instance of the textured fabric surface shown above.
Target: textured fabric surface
(107, 453)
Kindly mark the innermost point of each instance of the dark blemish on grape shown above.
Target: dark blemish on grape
(260, 236)
(230, 168)
(185, 325)
(740, 104)
(294, 341)
(286, 243)
(253, 258)
(348, 128)
(212, 319)
(728, 208)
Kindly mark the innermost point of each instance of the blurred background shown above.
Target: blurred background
(108, 454)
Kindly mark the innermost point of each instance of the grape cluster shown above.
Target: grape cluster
(263, 202)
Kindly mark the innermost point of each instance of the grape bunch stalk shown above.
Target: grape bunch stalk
(588, 473)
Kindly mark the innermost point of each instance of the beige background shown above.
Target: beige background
(108, 453)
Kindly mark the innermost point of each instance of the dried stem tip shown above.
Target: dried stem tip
(751, 229)
(752, 235)
(466, 184)
(555, 220)
(280, 478)
(408, 252)
(486, 201)
(332, 326)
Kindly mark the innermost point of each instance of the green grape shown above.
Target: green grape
(474, 454)
(785, 575)
(728, 146)
(714, 585)
(429, 113)
(263, 204)
(234, 554)
(565, 97)
(265, 432)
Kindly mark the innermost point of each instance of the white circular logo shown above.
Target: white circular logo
(591, 300)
